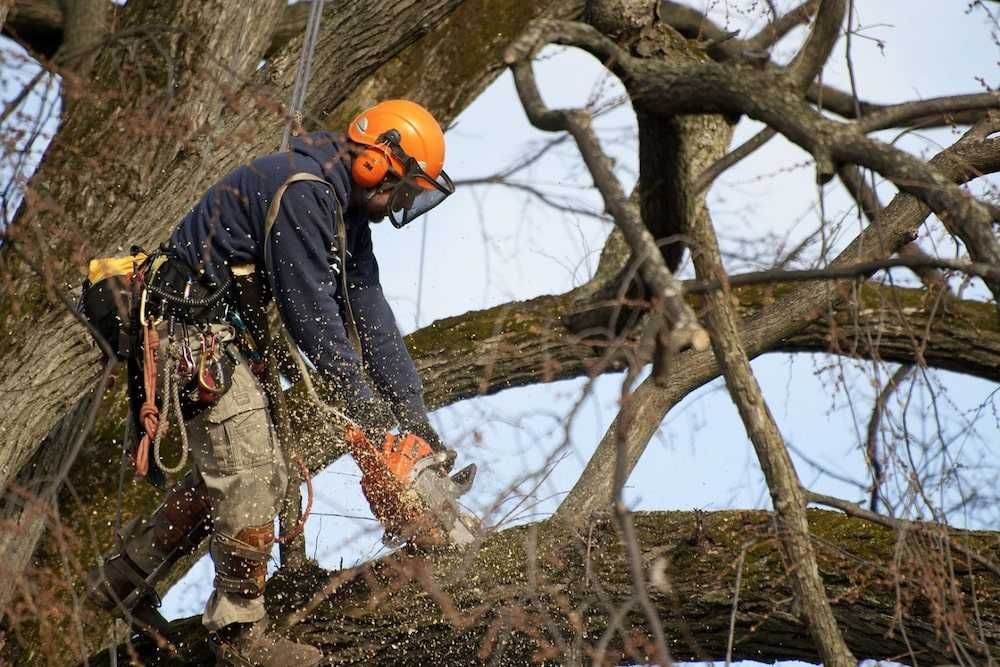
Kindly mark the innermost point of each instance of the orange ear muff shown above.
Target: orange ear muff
(370, 168)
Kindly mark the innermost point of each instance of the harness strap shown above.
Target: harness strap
(341, 233)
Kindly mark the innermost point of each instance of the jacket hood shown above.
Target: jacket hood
(328, 150)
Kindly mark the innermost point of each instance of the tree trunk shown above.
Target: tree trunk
(499, 608)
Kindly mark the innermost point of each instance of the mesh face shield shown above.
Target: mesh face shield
(417, 193)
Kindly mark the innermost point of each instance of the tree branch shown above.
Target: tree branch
(684, 88)
(685, 330)
(480, 608)
(774, 31)
(810, 59)
(775, 462)
(695, 25)
(783, 320)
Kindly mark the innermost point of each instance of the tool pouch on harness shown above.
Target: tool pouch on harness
(205, 365)
(107, 300)
(181, 349)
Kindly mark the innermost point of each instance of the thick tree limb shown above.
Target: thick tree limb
(447, 610)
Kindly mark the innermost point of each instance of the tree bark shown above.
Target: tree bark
(85, 25)
(460, 610)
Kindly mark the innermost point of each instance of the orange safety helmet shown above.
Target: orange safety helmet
(419, 134)
(403, 142)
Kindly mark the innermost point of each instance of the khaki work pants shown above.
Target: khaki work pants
(234, 449)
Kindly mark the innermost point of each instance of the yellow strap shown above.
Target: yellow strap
(105, 267)
(242, 269)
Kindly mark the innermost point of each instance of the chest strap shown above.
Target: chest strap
(341, 234)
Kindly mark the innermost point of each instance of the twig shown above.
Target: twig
(707, 177)
(871, 447)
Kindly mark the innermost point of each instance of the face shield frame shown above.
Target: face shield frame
(415, 192)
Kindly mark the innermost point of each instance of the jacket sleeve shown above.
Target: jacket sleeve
(304, 286)
(388, 362)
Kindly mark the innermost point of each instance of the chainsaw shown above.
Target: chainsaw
(411, 494)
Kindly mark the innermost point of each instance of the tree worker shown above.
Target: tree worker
(294, 225)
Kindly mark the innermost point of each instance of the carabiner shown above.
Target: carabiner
(142, 310)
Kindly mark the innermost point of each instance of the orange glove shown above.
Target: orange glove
(386, 476)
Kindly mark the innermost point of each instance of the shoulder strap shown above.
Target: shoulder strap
(341, 233)
(272, 212)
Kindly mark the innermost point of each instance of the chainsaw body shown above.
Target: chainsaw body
(410, 493)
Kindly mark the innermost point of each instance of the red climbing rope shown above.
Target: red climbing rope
(149, 414)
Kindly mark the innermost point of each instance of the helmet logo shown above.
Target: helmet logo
(363, 124)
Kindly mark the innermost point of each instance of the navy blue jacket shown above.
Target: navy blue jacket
(227, 227)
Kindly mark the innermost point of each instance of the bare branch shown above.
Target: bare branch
(843, 104)
(684, 88)
(846, 271)
(782, 321)
(693, 24)
(810, 59)
(731, 158)
(916, 113)
(774, 31)
(874, 422)
(779, 472)
(685, 328)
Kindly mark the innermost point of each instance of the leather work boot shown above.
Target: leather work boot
(251, 645)
(124, 583)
